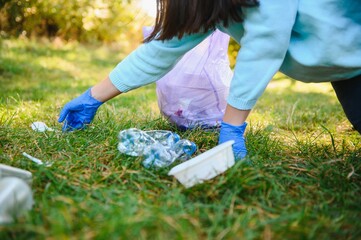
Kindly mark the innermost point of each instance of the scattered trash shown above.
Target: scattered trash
(205, 166)
(8, 171)
(36, 160)
(40, 127)
(160, 148)
(16, 198)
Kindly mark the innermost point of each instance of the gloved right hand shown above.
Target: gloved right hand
(79, 112)
(236, 133)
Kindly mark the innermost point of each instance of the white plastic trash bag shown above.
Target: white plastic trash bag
(193, 94)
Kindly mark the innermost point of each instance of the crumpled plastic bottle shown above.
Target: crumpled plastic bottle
(160, 148)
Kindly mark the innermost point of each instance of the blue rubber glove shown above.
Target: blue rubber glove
(79, 112)
(236, 133)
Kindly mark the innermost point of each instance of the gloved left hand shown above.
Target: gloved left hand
(79, 112)
(236, 133)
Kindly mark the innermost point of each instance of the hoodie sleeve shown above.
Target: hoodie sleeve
(151, 61)
(264, 43)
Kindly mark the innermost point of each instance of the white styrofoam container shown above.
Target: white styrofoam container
(8, 171)
(205, 166)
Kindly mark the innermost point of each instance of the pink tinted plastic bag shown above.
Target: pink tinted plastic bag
(193, 94)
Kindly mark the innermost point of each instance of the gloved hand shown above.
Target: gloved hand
(79, 112)
(236, 133)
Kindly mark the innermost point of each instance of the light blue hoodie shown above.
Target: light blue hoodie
(308, 40)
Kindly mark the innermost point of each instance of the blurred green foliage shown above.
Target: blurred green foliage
(232, 52)
(81, 20)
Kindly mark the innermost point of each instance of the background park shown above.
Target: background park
(301, 179)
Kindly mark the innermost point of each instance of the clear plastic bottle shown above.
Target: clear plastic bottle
(184, 149)
(166, 138)
(133, 141)
(159, 156)
(160, 148)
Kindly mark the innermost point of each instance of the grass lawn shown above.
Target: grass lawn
(301, 179)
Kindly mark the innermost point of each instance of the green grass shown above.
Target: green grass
(301, 179)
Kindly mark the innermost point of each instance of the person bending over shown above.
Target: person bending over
(310, 41)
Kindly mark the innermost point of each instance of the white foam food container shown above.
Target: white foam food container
(205, 166)
(8, 171)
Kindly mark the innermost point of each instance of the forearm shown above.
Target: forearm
(151, 61)
(144, 65)
(235, 116)
(104, 90)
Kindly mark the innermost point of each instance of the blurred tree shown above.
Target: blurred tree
(233, 49)
(83, 20)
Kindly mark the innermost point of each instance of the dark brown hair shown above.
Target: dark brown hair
(179, 17)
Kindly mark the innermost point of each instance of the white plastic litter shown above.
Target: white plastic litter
(40, 127)
(205, 166)
(16, 197)
(36, 160)
(8, 171)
